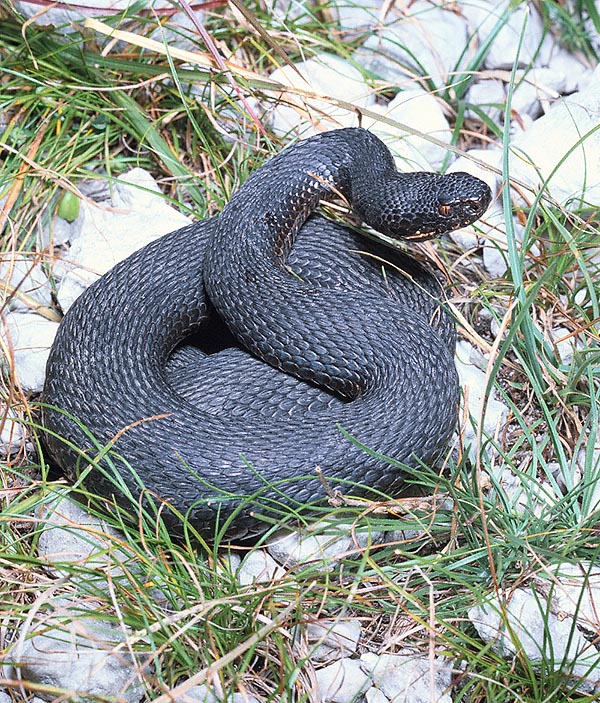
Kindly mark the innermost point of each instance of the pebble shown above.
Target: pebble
(205, 694)
(418, 110)
(537, 155)
(332, 639)
(576, 592)
(324, 547)
(65, 645)
(410, 677)
(425, 40)
(23, 285)
(29, 338)
(341, 682)
(258, 566)
(358, 15)
(110, 231)
(489, 96)
(588, 462)
(70, 535)
(297, 115)
(474, 381)
(538, 633)
(11, 431)
(485, 17)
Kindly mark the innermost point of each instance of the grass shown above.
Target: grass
(72, 111)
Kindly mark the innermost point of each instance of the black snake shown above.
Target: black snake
(351, 347)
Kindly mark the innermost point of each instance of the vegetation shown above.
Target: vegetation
(78, 105)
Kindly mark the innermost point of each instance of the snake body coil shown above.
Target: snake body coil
(359, 351)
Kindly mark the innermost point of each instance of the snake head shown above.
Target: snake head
(422, 205)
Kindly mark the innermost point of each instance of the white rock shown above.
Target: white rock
(485, 17)
(325, 547)
(331, 639)
(536, 90)
(70, 535)
(489, 96)
(111, 232)
(31, 337)
(474, 381)
(359, 14)
(205, 694)
(577, 592)
(259, 566)
(538, 633)
(575, 75)
(410, 677)
(538, 155)
(197, 694)
(341, 682)
(564, 343)
(526, 497)
(66, 646)
(326, 75)
(20, 275)
(374, 695)
(11, 431)
(426, 39)
(420, 110)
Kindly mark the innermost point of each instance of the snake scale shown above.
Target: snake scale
(232, 357)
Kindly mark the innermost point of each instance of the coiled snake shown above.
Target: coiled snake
(341, 345)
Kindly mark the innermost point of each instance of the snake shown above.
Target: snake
(238, 369)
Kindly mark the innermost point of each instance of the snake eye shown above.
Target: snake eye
(445, 210)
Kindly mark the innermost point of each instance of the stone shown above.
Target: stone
(205, 694)
(426, 40)
(410, 677)
(491, 412)
(72, 11)
(576, 592)
(332, 639)
(136, 215)
(23, 285)
(588, 462)
(341, 682)
(522, 621)
(70, 535)
(374, 695)
(325, 75)
(28, 338)
(258, 566)
(536, 90)
(555, 153)
(11, 431)
(324, 548)
(65, 645)
(489, 96)
(359, 15)
(486, 17)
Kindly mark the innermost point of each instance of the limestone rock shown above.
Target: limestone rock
(326, 75)
(111, 231)
(65, 645)
(29, 338)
